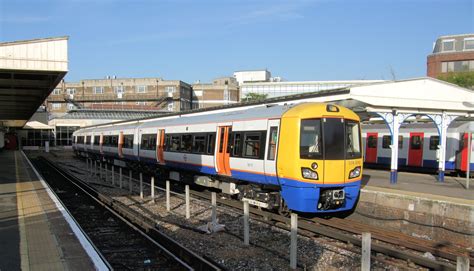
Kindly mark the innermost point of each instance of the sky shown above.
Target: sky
(202, 40)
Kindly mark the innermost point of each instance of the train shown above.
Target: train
(2, 140)
(301, 157)
(418, 147)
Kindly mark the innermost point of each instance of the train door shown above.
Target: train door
(371, 148)
(463, 149)
(120, 145)
(271, 151)
(415, 150)
(160, 142)
(222, 155)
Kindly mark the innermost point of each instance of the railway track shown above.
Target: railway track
(123, 238)
(390, 243)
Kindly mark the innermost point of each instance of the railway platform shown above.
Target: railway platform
(419, 206)
(36, 232)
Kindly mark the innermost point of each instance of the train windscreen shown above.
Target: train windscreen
(330, 138)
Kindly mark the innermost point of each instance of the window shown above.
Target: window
(186, 143)
(199, 144)
(70, 106)
(56, 91)
(71, 91)
(175, 143)
(98, 90)
(170, 90)
(88, 140)
(469, 44)
(434, 142)
(457, 66)
(148, 142)
(416, 143)
(352, 139)
(80, 140)
(210, 143)
(141, 103)
(127, 141)
(386, 141)
(448, 45)
(56, 105)
(252, 145)
(96, 140)
(372, 142)
(140, 89)
(170, 106)
(310, 139)
(119, 90)
(198, 93)
(237, 150)
(333, 133)
(272, 143)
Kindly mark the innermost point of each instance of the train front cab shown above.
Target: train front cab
(319, 162)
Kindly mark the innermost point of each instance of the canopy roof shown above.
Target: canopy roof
(29, 71)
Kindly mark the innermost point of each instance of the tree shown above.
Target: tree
(462, 79)
(252, 96)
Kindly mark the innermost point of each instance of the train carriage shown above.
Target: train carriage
(418, 146)
(304, 157)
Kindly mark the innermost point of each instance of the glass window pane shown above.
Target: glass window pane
(310, 139)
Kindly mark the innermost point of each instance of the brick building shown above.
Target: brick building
(121, 94)
(221, 91)
(451, 54)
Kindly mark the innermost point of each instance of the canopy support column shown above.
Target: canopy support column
(442, 122)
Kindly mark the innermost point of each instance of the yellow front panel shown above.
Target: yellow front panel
(334, 171)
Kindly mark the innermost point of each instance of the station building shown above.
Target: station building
(261, 82)
(454, 53)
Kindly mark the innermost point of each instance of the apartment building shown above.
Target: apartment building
(453, 53)
(121, 94)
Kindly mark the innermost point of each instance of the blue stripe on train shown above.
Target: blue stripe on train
(450, 165)
(254, 177)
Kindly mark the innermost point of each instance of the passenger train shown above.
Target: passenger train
(417, 147)
(305, 157)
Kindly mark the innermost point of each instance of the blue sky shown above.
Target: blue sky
(202, 40)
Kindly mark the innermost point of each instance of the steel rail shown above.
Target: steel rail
(140, 224)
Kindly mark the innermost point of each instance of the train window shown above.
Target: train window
(372, 142)
(175, 143)
(88, 139)
(386, 141)
(237, 150)
(186, 143)
(352, 139)
(167, 142)
(148, 142)
(310, 139)
(221, 140)
(199, 145)
(80, 140)
(416, 142)
(333, 133)
(230, 140)
(252, 145)
(272, 143)
(434, 142)
(400, 142)
(210, 143)
(127, 141)
(96, 140)
(114, 141)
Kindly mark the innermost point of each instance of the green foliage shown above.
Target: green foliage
(251, 96)
(462, 79)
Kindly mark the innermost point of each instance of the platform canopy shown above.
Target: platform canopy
(29, 71)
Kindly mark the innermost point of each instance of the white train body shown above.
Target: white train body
(418, 146)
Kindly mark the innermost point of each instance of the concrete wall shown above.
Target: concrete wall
(414, 215)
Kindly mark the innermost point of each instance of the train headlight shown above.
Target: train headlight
(309, 174)
(354, 173)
